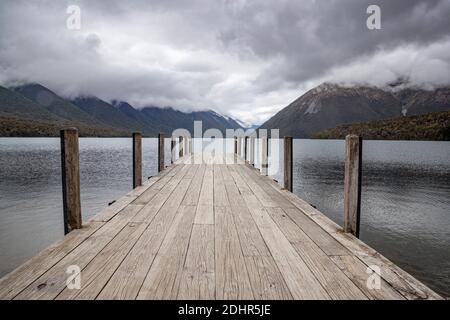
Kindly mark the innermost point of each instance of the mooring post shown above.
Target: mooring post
(160, 152)
(173, 149)
(288, 163)
(245, 148)
(70, 169)
(264, 155)
(137, 159)
(180, 146)
(252, 151)
(352, 184)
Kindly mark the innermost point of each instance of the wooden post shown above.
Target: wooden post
(180, 146)
(160, 152)
(70, 169)
(264, 155)
(137, 159)
(245, 148)
(173, 149)
(352, 184)
(252, 151)
(288, 163)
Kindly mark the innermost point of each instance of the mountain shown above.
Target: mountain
(34, 110)
(432, 126)
(170, 119)
(15, 105)
(330, 105)
(55, 104)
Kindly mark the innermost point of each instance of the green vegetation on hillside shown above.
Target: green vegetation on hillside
(13, 127)
(432, 126)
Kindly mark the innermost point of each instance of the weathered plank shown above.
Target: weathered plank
(17, 280)
(205, 210)
(52, 282)
(333, 280)
(97, 273)
(357, 272)
(192, 195)
(129, 277)
(163, 279)
(232, 281)
(198, 278)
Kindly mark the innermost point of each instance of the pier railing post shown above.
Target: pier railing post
(264, 155)
(288, 163)
(352, 184)
(180, 146)
(173, 149)
(70, 169)
(245, 148)
(252, 151)
(160, 152)
(137, 159)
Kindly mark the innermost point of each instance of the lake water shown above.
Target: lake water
(405, 211)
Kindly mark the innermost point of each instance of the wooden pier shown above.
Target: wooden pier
(211, 230)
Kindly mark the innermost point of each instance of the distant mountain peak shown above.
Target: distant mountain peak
(329, 105)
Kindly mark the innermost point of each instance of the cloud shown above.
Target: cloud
(246, 59)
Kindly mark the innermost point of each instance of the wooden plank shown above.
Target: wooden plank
(254, 184)
(352, 184)
(205, 210)
(265, 278)
(192, 195)
(137, 159)
(51, 283)
(220, 194)
(333, 280)
(399, 279)
(97, 273)
(301, 281)
(17, 280)
(70, 172)
(198, 277)
(151, 192)
(276, 199)
(129, 277)
(232, 281)
(163, 279)
(151, 209)
(250, 238)
(357, 272)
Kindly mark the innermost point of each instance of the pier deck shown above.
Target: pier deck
(211, 231)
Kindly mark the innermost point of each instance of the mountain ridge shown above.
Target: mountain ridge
(331, 105)
(38, 107)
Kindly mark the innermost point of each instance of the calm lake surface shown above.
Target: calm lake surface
(405, 211)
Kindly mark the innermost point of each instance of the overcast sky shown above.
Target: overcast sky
(246, 59)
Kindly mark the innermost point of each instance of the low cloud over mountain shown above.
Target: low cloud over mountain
(242, 58)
